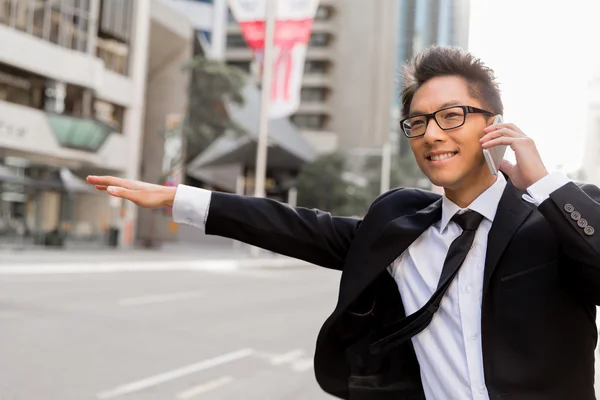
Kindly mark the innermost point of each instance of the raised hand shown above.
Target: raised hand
(142, 194)
(529, 167)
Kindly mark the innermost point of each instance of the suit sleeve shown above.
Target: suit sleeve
(574, 213)
(310, 235)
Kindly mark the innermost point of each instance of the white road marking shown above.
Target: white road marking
(204, 388)
(160, 298)
(223, 266)
(287, 357)
(302, 365)
(219, 266)
(174, 374)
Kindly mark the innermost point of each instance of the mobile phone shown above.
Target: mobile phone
(495, 155)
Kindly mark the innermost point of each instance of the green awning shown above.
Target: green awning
(79, 133)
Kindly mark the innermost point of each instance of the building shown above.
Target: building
(72, 83)
(76, 79)
(591, 161)
(422, 24)
(348, 74)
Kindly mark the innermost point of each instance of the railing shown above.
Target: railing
(63, 22)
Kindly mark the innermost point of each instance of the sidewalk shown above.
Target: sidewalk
(168, 258)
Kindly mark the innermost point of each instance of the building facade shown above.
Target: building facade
(72, 88)
(422, 24)
(348, 73)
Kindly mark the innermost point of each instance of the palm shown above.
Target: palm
(142, 194)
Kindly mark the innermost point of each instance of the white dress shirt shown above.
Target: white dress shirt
(449, 349)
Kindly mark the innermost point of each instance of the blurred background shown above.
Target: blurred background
(99, 299)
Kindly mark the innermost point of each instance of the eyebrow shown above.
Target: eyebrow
(446, 104)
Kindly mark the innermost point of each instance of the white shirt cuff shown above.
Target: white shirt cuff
(191, 205)
(541, 190)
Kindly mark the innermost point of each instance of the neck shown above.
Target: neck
(466, 192)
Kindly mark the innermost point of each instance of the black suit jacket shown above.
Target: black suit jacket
(541, 285)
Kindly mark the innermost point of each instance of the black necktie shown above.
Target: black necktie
(404, 329)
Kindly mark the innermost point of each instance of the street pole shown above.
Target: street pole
(386, 164)
(263, 132)
(263, 129)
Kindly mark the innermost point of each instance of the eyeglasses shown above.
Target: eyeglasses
(446, 118)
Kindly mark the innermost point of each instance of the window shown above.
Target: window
(65, 23)
(316, 67)
(236, 41)
(323, 13)
(309, 121)
(319, 39)
(116, 17)
(313, 94)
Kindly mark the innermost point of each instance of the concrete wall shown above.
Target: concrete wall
(33, 54)
(99, 219)
(364, 71)
(167, 88)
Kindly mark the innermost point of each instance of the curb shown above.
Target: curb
(151, 266)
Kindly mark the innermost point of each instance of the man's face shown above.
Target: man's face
(449, 158)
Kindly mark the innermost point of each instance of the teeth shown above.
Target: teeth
(442, 156)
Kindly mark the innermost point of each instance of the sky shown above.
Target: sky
(544, 54)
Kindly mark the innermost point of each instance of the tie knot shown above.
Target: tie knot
(468, 220)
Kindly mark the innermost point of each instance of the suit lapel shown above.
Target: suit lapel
(512, 212)
(393, 240)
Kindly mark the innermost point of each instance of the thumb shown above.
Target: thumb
(506, 166)
(131, 195)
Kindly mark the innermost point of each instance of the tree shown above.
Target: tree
(212, 84)
(323, 184)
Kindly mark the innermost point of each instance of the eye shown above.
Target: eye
(451, 115)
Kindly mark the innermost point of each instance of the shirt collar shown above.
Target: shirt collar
(486, 204)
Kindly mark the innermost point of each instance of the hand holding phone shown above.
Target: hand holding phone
(495, 155)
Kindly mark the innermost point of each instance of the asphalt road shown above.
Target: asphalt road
(201, 335)
(236, 334)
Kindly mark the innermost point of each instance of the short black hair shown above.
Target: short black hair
(451, 61)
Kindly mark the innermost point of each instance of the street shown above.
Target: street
(155, 333)
(163, 335)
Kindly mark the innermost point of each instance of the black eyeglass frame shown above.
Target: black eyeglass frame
(466, 110)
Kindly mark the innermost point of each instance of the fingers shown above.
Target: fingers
(506, 166)
(505, 125)
(499, 133)
(101, 187)
(112, 181)
(134, 196)
(503, 140)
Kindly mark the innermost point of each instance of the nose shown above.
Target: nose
(433, 133)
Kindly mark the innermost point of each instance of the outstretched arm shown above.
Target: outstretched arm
(310, 235)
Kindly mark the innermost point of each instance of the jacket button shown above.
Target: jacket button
(589, 230)
(582, 223)
(569, 208)
(575, 216)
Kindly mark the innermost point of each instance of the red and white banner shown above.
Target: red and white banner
(293, 23)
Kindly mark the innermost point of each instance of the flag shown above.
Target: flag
(293, 23)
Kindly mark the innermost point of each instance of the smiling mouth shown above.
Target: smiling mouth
(441, 157)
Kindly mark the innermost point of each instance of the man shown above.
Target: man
(517, 320)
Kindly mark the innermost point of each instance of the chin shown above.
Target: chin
(443, 180)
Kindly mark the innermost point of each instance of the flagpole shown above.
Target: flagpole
(263, 129)
(267, 75)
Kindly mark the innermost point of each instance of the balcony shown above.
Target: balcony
(61, 24)
(238, 54)
(85, 141)
(314, 107)
(323, 27)
(316, 80)
(319, 53)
